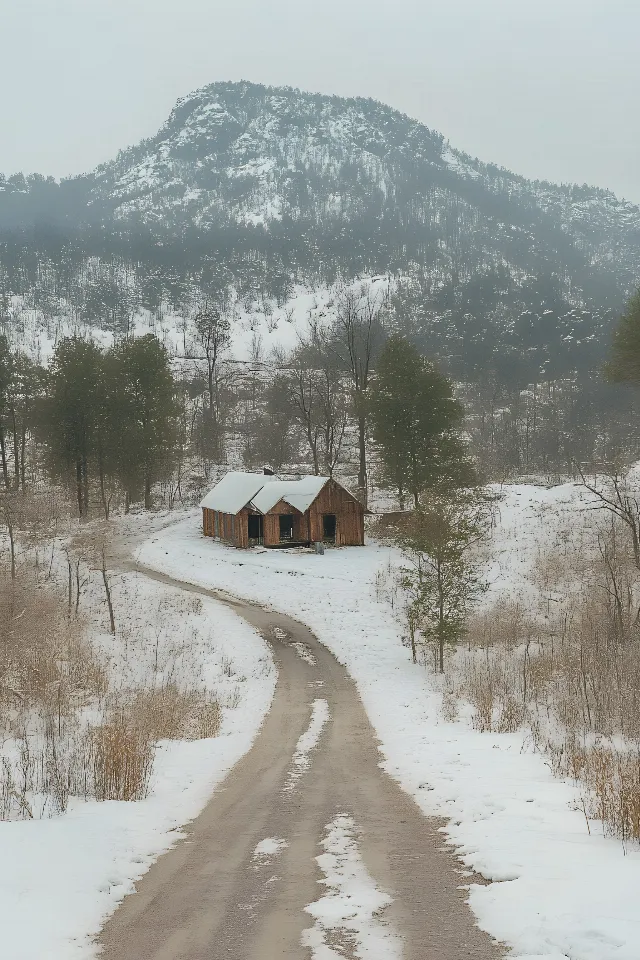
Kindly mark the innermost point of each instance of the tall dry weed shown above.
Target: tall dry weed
(121, 755)
(171, 713)
(568, 670)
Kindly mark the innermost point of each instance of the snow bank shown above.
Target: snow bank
(62, 877)
(558, 892)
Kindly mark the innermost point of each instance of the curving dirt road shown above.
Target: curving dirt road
(214, 897)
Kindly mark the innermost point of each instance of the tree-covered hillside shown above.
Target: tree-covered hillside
(257, 189)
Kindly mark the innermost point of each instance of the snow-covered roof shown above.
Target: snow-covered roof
(299, 493)
(235, 491)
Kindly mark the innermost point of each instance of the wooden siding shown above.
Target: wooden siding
(349, 514)
(223, 526)
(272, 524)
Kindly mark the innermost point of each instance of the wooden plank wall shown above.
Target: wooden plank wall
(348, 511)
(231, 529)
(272, 524)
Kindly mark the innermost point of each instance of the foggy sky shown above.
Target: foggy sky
(548, 88)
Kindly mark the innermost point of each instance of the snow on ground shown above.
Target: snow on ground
(63, 876)
(304, 653)
(559, 891)
(257, 327)
(350, 910)
(268, 848)
(531, 520)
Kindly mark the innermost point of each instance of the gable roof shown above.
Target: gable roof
(262, 492)
(235, 491)
(300, 494)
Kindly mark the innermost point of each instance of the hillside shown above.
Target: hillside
(261, 188)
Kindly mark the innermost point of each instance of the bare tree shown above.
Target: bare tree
(301, 382)
(355, 337)
(8, 514)
(615, 496)
(318, 397)
(213, 335)
(92, 545)
(334, 416)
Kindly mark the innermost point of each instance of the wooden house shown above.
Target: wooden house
(246, 509)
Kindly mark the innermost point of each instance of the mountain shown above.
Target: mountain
(264, 156)
(263, 187)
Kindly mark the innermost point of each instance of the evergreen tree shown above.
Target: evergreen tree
(25, 389)
(415, 417)
(108, 451)
(442, 579)
(624, 365)
(212, 338)
(74, 410)
(146, 409)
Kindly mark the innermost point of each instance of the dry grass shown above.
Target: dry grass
(569, 672)
(121, 758)
(45, 658)
(65, 733)
(170, 713)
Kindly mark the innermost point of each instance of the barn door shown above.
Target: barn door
(256, 529)
(329, 527)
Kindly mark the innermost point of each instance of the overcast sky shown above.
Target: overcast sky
(548, 88)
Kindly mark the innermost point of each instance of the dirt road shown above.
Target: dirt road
(216, 897)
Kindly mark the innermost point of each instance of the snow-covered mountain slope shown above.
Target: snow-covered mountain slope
(319, 177)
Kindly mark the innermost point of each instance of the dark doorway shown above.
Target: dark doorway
(329, 528)
(286, 527)
(256, 528)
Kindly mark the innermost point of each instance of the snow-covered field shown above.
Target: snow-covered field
(71, 871)
(560, 890)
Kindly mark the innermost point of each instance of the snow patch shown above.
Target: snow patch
(351, 908)
(268, 848)
(304, 653)
(301, 761)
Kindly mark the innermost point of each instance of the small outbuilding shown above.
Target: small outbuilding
(247, 509)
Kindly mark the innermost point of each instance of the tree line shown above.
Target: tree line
(354, 395)
(113, 425)
(93, 419)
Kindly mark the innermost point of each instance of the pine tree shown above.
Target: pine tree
(442, 578)
(624, 365)
(415, 417)
(212, 332)
(73, 412)
(146, 411)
